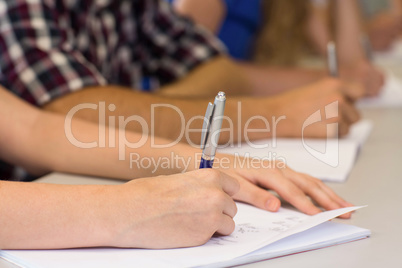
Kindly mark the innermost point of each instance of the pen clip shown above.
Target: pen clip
(207, 123)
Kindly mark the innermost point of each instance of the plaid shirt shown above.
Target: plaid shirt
(49, 48)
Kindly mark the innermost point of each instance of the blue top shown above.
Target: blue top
(240, 26)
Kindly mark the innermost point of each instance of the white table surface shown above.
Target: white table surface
(376, 181)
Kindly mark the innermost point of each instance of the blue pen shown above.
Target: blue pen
(211, 130)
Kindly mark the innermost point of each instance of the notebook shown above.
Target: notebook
(259, 235)
(390, 95)
(329, 160)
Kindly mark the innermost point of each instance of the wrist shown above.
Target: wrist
(283, 124)
(255, 119)
(106, 208)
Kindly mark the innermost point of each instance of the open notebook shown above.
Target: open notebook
(390, 62)
(259, 235)
(329, 160)
(390, 95)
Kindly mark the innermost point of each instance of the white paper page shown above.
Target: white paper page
(393, 54)
(294, 154)
(360, 132)
(323, 235)
(329, 160)
(255, 229)
(390, 95)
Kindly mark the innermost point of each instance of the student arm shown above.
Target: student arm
(294, 187)
(181, 210)
(208, 13)
(354, 66)
(265, 80)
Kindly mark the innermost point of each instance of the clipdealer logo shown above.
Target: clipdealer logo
(113, 134)
(330, 155)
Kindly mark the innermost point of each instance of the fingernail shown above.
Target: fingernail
(272, 204)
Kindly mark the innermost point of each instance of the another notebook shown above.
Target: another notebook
(326, 159)
(259, 235)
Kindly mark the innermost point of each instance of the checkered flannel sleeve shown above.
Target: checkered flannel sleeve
(173, 45)
(38, 61)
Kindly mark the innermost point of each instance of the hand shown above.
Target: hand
(367, 75)
(383, 30)
(298, 105)
(298, 189)
(180, 210)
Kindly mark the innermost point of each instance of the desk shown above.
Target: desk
(376, 180)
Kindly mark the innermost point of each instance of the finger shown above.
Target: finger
(317, 194)
(349, 112)
(318, 191)
(289, 191)
(379, 85)
(374, 90)
(343, 125)
(229, 207)
(380, 80)
(375, 85)
(343, 128)
(227, 225)
(229, 184)
(354, 91)
(335, 197)
(257, 197)
(346, 215)
(373, 80)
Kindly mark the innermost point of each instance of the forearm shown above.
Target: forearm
(43, 216)
(239, 78)
(181, 119)
(176, 119)
(219, 74)
(318, 28)
(150, 114)
(396, 7)
(51, 142)
(268, 80)
(16, 126)
(208, 13)
(101, 151)
(348, 31)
